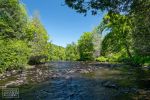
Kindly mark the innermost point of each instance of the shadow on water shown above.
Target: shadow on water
(85, 81)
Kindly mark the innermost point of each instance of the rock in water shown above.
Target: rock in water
(109, 84)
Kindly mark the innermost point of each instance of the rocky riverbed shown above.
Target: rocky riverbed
(78, 81)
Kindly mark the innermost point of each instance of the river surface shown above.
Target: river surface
(77, 81)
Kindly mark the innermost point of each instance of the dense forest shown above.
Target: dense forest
(24, 40)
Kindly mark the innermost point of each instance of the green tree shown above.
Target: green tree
(121, 31)
(56, 53)
(38, 42)
(141, 27)
(134, 30)
(14, 51)
(13, 19)
(71, 52)
(61, 53)
(85, 46)
(95, 6)
(14, 54)
(97, 39)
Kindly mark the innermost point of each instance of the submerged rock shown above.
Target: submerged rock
(110, 84)
(14, 83)
(84, 71)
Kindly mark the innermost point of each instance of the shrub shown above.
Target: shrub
(13, 54)
(33, 60)
(102, 59)
(141, 60)
(137, 60)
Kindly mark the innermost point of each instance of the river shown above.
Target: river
(77, 81)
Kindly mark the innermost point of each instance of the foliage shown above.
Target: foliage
(25, 40)
(85, 46)
(138, 60)
(71, 52)
(113, 57)
(13, 54)
(120, 30)
(97, 39)
(56, 53)
(38, 41)
(13, 19)
(128, 26)
(141, 27)
(21, 38)
(102, 59)
(83, 6)
(14, 51)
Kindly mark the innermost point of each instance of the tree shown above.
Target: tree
(71, 52)
(120, 28)
(14, 54)
(83, 6)
(61, 53)
(97, 39)
(56, 53)
(85, 46)
(141, 27)
(14, 50)
(134, 22)
(13, 19)
(38, 42)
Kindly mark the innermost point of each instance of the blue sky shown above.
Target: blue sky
(63, 24)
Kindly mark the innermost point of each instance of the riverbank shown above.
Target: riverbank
(18, 77)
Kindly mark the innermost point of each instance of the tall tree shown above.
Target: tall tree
(85, 46)
(14, 50)
(13, 19)
(39, 41)
(141, 27)
(97, 38)
(120, 28)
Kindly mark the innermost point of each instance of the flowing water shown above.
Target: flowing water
(76, 81)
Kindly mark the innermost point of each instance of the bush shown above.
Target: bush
(112, 57)
(102, 59)
(13, 54)
(137, 60)
(141, 60)
(33, 60)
